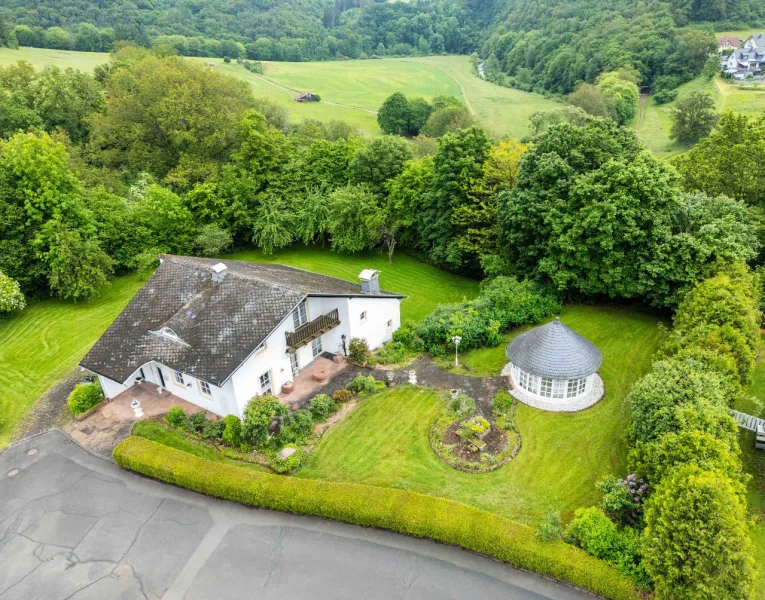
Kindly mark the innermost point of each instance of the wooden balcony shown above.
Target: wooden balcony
(305, 334)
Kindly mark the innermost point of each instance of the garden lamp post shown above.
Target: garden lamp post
(456, 341)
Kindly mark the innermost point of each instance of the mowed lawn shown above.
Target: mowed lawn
(385, 440)
(42, 343)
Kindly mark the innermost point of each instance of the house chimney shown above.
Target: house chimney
(370, 284)
(218, 272)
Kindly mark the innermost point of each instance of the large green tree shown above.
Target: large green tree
(379, 161)
(728, 161)
(166, 113)
(693, 118)
(696, 540)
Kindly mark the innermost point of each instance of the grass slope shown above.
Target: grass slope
(502, 111)
(424, 286)
(384, 441)
(42, 343)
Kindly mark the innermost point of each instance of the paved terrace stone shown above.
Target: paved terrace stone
(77, 527)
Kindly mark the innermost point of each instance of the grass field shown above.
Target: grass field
(359, 85)
(385, 440)
(42, 343)
(45, 341)
(654, 130)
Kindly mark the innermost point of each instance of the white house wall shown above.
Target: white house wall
(374, 329)
(233, 396)
(220, 402)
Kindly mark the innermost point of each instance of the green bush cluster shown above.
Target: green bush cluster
(84, 397)
(358, 350)
(502, 403)
(176, 416)
(258, 415)
(232, 431)
(595, 533)
(297, 427)
(363, 384)
(402, 511)
(696, 542)
(322, 406)
(342, 396)
(462, 406)
(503, 302)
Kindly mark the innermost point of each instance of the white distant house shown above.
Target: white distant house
(218, 333)
(747, 60)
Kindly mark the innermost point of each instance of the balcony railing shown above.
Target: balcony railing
(305, 334)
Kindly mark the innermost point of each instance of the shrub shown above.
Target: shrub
(406, 335)
(84, 397)
(342, 396)
(549, 527)
(321, 407)
(232, 431)
(226, 59)
(696, 538)
(11, 297)
(196, 422)
(290, 464)
(502, 403)
(358, 350)
(596, 534)
(363, 383)
(258, 414)
(393, 353)
(665, 399)
(623, 498)
(176, 416)
(503, 302)
(213, 429)
(656, 460)
(665, 96)
(397, 510)
(296, 427)
(462, 406)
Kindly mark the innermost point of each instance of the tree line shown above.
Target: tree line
(549, 46)
(100, 174)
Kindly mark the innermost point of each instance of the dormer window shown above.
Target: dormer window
(167, 332)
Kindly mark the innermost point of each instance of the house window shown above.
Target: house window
(363, 316)
(547, 386)
(265, 383)
(204, 387)
(559, 388)
(300, 315)
(294, 363)
(178, 377)
(316, 347)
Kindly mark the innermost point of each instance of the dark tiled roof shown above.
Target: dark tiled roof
(219, 324)
(556, 351)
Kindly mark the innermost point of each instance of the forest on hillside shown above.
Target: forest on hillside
(541, 45)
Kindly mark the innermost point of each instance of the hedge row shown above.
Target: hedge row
(405, 512)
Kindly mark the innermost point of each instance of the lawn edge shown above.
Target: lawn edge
(402, 511)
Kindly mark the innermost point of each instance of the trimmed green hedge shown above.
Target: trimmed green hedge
(406, 512)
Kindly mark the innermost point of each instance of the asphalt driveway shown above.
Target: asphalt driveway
(76, 527)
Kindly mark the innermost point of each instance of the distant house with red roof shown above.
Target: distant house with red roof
(728, 42)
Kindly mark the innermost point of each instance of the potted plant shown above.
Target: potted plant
(288, 387)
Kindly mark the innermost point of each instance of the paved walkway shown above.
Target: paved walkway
(73, 526)
(482, 389)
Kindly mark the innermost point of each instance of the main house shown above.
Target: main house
(216, 334)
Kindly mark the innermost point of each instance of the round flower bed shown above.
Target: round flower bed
(473, 444)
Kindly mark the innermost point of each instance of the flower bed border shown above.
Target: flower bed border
(445, 459)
